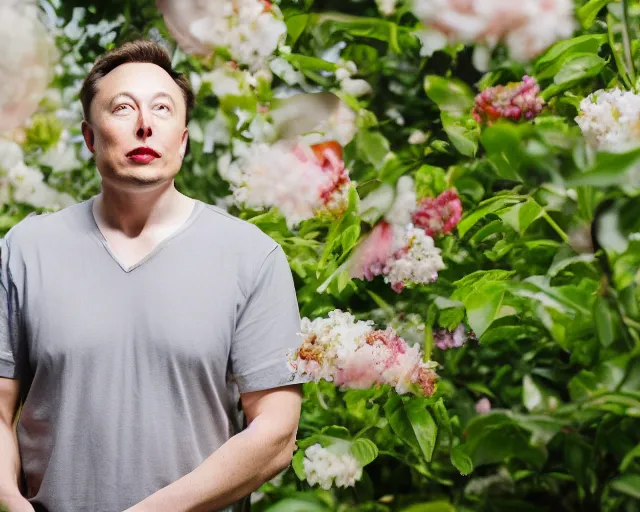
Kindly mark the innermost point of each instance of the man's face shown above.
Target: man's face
(137, 126)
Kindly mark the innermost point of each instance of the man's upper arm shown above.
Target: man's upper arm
(282, 404)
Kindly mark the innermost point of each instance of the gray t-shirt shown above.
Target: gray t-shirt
(131, 377)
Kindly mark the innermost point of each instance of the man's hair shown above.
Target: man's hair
(133, 51)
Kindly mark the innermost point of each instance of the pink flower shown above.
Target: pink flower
(446, 339)
(515, 101)
(438, 216)
(483, 406)
(372, 254)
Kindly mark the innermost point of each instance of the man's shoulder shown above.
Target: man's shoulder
(40, 227)
(239, 233)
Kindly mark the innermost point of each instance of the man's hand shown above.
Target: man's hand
(15, 504)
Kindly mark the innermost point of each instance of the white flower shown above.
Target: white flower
(417, 137)
(322, 467)
(24, 184)
(283, 69)
(250, 29)
(404, 204)
(386, 7)
(526, 27)
(420, 263)
(610, 120)
(26, 63)
(355, 87)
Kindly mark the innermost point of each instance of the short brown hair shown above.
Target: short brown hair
(133, 51)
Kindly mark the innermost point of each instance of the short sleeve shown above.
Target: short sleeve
(267, 327)
(11, 349)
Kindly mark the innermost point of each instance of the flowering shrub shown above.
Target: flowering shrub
(456, 185)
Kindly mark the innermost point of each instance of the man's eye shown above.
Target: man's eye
(122, 107)
(163, 107)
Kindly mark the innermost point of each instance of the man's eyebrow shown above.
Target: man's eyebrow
(155, 96)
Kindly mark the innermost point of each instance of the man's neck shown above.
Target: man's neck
(132, 213)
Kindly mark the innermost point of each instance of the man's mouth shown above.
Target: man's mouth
(143, 155)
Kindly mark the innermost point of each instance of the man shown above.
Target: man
(133, 325)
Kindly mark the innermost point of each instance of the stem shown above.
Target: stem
(626, 42)
(555, 227)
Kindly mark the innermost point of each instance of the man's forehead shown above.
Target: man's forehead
(137, 78)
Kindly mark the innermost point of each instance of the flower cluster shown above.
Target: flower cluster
(353, 355)
(301, 181)
(400, 247)
(323, 467)
(251, 30)
(417, 262)
(26, 64)
(515, 101)
(526, 27)
(440, 215)
(23, 184)
(610, 120)
(446, 339)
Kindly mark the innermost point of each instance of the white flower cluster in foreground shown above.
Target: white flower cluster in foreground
(23, 184)
(610, 120)
(353, 355)
(251, 30)
(26, 61)
(526, 27)
(323, 467)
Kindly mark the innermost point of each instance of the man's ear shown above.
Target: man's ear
(183, 143)
(87, 133)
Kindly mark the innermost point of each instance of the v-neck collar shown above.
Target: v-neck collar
(95, 230)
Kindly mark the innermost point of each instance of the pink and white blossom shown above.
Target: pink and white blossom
(446, 339)
(353, 355)
(483, 406)
(526, 27)
(440, 215)
(515, 101)
(301, 181)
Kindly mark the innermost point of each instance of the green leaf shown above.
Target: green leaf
(451, 95)
(399, 421)
(578, 67)
(486, 207)
(432, 506)
(520, 216)
(483, 306)
(297, 463)
(630, 457)
(307, 63)
(336, 431)
(628, 484)
(364, 450)
(604, 319)
(553, 59)
(588, 12)
(461, 460)
(463, 137)
(299, 504)
(372, 146)
(296, 23)
(430, 181)
(502, 142)
(350, 237)
(610, 169)
(424, 428)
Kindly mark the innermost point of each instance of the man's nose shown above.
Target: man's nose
(143, 129)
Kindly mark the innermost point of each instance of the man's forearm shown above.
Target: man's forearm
(237, 468)
(10, 470)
